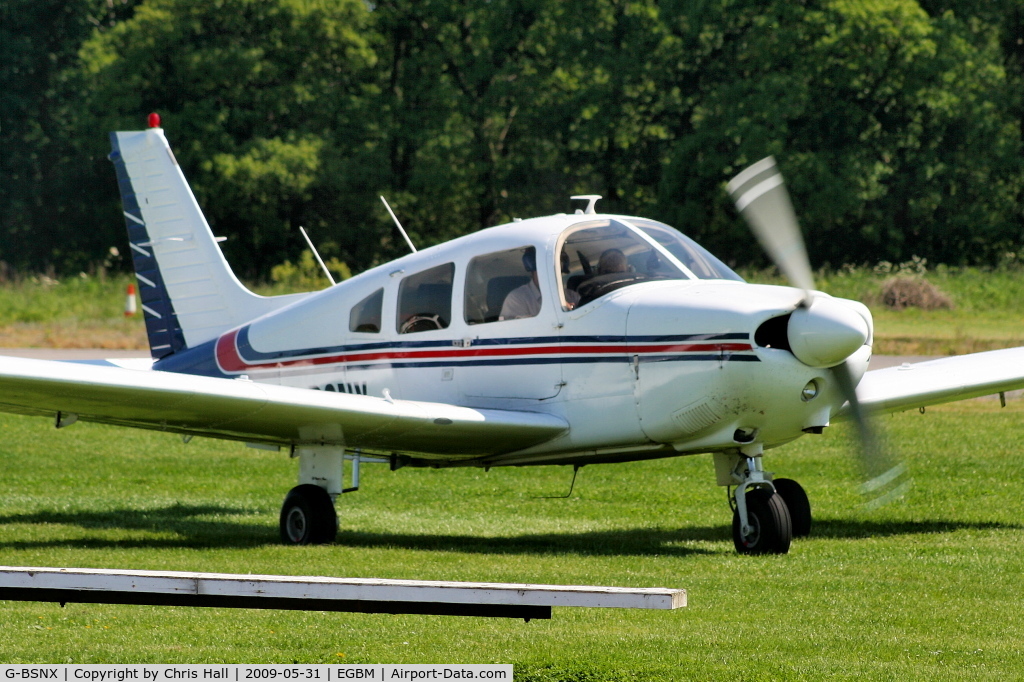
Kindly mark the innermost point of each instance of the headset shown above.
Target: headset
(530, 259)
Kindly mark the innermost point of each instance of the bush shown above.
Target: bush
(306, 275)
(901, 292)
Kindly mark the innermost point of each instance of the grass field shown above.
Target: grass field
(927, 589)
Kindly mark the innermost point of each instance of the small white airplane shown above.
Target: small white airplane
(570, 339)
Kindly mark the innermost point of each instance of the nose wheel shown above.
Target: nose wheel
(768, 530)
(767, 513)
(793, 494)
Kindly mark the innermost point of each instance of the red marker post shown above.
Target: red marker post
(129, 303)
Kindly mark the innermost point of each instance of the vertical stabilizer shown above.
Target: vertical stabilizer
(189, 293)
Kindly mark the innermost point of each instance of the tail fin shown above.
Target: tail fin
(189, 293)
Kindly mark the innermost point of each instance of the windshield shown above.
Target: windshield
(601, 256)
(691, 254)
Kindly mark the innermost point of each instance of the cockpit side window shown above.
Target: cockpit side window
(366, 315)
(425, 300)
(502, 286)
(601, 257)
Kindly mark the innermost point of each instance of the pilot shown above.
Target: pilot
(572, 297)
(612, 261)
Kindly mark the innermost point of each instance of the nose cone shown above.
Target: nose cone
(826, 333)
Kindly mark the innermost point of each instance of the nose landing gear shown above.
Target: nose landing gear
(792, 493)
(767, 514)
(768, 529)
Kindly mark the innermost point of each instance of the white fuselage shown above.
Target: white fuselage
(652, 369)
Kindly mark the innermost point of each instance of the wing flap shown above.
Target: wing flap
(894, 389)
(248, 411)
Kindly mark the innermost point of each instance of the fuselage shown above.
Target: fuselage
(656, 350)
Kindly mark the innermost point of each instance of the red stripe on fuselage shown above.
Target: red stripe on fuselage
(229, 359)
(227, 355)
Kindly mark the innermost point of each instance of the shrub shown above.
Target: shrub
(306, 275)
(901, 292)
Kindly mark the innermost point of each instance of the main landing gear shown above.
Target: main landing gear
(767, 513)
(307, 515)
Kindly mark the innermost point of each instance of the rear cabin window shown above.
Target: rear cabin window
(366, 315)
(498, 286)
(425, 300)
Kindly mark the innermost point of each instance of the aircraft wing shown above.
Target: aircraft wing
(894, 389)
(239, 409)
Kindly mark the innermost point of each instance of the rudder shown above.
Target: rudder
(188, 292)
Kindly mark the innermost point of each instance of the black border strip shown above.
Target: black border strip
(67, 596)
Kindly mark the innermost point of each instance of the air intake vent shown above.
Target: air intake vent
(773, 333)
(697, 416)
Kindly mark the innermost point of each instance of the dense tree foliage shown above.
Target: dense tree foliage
(43, 182)
(898, 123)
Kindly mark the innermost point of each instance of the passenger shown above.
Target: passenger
(524, 301)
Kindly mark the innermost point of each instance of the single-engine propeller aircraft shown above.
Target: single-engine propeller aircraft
(570, 339)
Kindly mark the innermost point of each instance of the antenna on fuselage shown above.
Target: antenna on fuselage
(317, 255)
(591, 200)
(400, 228)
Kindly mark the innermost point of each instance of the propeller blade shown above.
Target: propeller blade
(886, 478)
(761, 198)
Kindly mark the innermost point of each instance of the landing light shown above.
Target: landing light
(810, 391)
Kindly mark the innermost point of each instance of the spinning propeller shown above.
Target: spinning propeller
(822, 332)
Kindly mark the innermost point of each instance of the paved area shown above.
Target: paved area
(71, 353)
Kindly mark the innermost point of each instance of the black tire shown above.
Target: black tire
(308, 517)
(799, 506)
(772, 530)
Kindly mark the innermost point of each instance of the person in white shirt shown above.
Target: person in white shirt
(524, 301)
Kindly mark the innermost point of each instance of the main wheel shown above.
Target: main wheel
(308, 516)
(771, 529)
(799, 506)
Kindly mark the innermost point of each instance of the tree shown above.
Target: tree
(899, 128)
(39, 42)
(255, 95)
(887, 127)
(458, 79)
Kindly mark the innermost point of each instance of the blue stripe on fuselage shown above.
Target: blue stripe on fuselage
(202, 360)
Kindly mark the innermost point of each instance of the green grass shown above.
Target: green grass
(76, 312)
(927, 589)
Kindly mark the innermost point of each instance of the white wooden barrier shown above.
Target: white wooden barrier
(315, 593)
